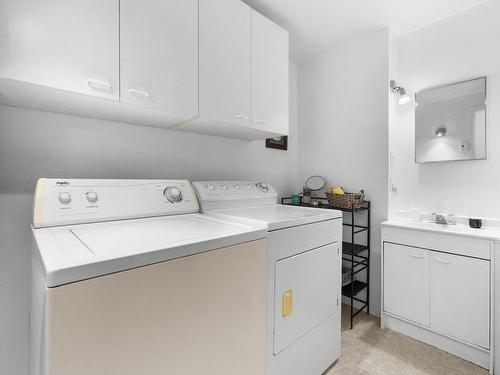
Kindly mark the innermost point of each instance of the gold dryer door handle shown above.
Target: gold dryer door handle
(287, 303)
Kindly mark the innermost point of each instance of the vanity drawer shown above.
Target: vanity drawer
(448, 243)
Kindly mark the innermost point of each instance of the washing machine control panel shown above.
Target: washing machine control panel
(71, 201)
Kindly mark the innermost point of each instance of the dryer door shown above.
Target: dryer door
(305, 294)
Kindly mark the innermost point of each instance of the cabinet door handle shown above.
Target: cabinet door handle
(442, 260)
(416, 255)
(258, 121)
(242, 117)
(98, 85)
(139, 92)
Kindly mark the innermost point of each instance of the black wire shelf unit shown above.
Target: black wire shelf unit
(354, 253)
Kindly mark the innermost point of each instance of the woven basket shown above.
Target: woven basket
(347, 200)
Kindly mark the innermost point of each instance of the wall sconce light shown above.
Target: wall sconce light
(404, 98)
(441, 132)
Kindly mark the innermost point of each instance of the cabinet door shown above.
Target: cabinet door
(460, 297)
(306, 293)
(66, 44)
(406, 282)
(159, 54)
(270, 65)
(225, 61)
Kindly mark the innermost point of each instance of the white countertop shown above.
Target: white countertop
(492, 234)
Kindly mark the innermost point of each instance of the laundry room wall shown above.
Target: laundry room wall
(15, 243)
(461, 47)
(37, 144)
(343, 127)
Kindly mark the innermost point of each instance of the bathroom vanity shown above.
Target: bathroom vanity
(438, 286)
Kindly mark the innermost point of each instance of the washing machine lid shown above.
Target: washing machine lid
(73, 253)
(278, 216)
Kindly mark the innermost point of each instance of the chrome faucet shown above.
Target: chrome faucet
(449, 219)
(441, 219)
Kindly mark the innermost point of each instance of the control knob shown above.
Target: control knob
(173, 194)
(91, 196)
(65, 198)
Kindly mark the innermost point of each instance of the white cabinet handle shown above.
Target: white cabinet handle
(258, 121)
(416, 255)
(95, 84)
(139, 92)
(242, 117)
(442, 260)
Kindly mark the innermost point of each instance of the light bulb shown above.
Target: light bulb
(404, 99)
(440, 132)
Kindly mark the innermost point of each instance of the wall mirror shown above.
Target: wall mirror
(450, 122)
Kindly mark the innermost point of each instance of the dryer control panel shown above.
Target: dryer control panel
(75, 201)
(216, 195)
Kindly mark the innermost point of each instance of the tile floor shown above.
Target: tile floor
(369, 350)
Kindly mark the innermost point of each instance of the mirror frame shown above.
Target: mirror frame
(485, 120)
(322, 187)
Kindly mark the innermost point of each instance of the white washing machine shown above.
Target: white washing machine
(129, 279)
(304, 273)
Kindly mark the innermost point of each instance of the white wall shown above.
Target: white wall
(14, 282)
(464, 46)
(38, 144)
(343, 126)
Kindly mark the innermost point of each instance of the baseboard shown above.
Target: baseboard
(479, 356)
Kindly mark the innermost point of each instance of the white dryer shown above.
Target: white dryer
(129, 279)
(304, 272)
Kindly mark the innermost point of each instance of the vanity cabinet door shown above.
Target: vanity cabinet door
(406, 282)
(460, 291)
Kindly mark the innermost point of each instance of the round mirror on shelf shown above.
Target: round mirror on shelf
(315, 183)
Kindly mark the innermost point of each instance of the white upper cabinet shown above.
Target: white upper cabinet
(208, 66)
(225, 61)
(244, 63)
(270, 65)
(159, 54)
(66, 44)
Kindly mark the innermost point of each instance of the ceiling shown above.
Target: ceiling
(314, 25)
